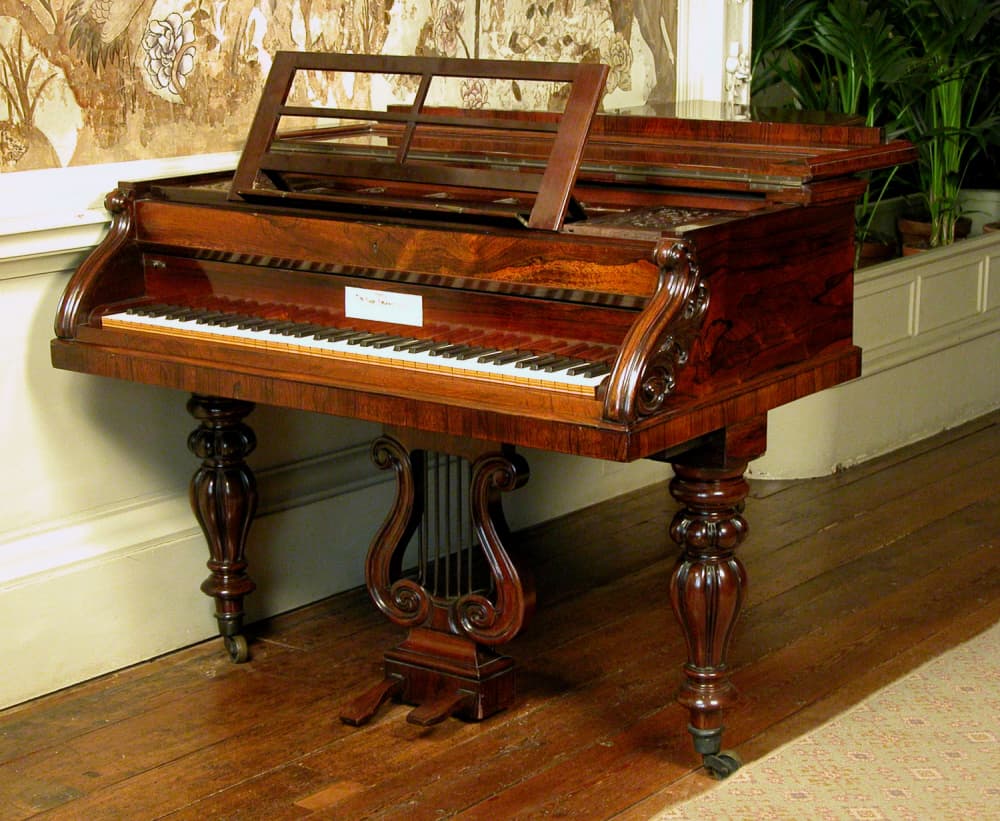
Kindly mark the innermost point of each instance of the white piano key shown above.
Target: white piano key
(345, 345)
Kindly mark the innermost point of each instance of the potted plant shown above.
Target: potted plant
(946, 105)
(842, 56)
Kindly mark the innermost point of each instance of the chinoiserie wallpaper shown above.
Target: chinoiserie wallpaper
(97, 81)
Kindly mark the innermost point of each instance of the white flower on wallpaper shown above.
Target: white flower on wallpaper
(169, 54)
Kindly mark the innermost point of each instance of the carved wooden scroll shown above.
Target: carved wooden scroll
(657, 345)
(456, 588)
(111, 273)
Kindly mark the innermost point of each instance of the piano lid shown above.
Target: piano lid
(431, 155)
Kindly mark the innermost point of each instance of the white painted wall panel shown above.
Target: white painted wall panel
(991, 282)
(886, 313)
(950, 295)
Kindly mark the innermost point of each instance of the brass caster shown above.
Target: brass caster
(237, 648)
(722, 765)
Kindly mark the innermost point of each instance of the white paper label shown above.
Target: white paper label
(383, 306)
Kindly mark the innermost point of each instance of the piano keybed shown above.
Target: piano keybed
(459, 351)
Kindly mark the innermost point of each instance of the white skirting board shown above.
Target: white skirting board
(129, 590)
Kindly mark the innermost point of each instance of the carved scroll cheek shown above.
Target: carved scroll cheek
(659, 342)
(85, 284)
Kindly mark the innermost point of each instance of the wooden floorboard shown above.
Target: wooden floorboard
(855, 579)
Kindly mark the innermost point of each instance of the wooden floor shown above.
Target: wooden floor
(854, 580)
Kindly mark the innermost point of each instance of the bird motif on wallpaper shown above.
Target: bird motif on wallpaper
(99, 27)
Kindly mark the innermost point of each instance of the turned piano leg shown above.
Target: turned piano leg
(223, 495)
(706, 590)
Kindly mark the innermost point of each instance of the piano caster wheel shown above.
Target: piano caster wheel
(237, 648)
(721, 765)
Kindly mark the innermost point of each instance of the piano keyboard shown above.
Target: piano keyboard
(554, 371)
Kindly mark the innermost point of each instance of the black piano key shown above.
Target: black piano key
(364, 338)
(438, 347)
(536, 362)
(212, 317)
(420, 346)
(373, 339)
(281, 327)
(182, 314)
(154, 309)
(389, 342)
(592, 369)
(475, 352)
(253, 324)
(448, 351)
(308, 330)
(337, 334)
(233, 320)
(505, 357)
(267, 324)
(564, 364)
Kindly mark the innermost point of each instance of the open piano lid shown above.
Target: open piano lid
(430, 154)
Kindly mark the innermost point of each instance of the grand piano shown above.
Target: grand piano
(479, 279)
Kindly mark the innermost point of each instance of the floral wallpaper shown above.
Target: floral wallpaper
(96, 81)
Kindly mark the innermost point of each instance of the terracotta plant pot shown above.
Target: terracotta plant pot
(915, 234)
(874, 252)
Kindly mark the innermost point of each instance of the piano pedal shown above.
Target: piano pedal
(437, 689)
(363, 708)
(444, 706)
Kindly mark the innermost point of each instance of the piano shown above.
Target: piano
(480, 278)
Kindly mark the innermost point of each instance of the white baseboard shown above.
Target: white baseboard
(126, 588)
(127, 584)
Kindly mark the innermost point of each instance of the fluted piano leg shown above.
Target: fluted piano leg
(708, 583)
(706, 590)
(223, 495)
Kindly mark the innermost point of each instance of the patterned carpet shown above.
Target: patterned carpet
(926, 748)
